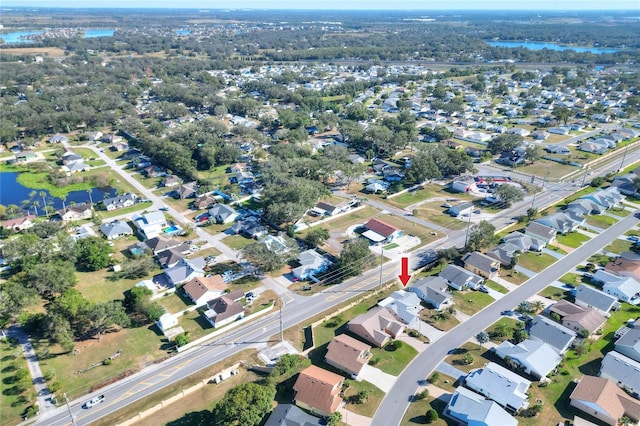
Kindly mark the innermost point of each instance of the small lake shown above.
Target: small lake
(183, 32)
(99, 33)
(14, 193)
(551, 46)
(18, 36)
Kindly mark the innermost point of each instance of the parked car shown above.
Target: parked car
(94, 401)
(570, 286)
(633, 238)
(506, 313)
(525, 318)
(483, 289)
(587, 275)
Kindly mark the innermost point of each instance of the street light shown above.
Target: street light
(66, 400)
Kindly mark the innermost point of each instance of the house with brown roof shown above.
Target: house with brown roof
(170, 181)
(481, 264)
(584, 321)
(348, 354)
(225, 309)
(204, 202)
(18, 223)
(76, 212)
(376, 326)
(378, 231)
(602, 399)
(171, 257)
(318, 390)
(623, 267)
(203, 289)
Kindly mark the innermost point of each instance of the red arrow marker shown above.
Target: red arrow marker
(404, 276)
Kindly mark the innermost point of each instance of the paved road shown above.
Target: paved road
(395, 403)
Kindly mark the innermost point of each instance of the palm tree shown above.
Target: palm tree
(89, 191)
(537, 306)
(501, 330)
(44, 202)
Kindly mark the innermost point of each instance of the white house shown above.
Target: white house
(500, 385)
(150, 225)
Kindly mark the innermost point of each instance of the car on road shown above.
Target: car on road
(506, 313)
(164, 209)
(637, 214)
(94, 401)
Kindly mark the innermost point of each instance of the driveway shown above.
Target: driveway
(448, 369)
(377, 377)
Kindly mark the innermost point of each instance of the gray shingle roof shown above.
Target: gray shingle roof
(556, 335)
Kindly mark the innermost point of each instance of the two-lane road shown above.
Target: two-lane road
(395, 403)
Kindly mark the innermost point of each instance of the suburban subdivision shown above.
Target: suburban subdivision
(243, 217)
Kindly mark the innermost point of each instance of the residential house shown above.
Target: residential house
(290, 415)
(318, 390)
(557, 149)
(94, 136)
(202, 289)
(559, 337)
(116, 229)
(625, 184)
(238, 168)
(622, 370)
(158, 244)
(311, 263)
(561, 222)
(586, 206)
(154, 171)
(404, 305)
(539, 135)
(464, 185)
(602, 399)
(620, 279)
(540, 232)
(119, 201)
(534, 357)
(379, 231)
(607, 198)
(377, 326)
(523, 242)
(225, 309)
(512, 158)
(250, 228)
(431, 290)
(170, 257)
(75, 167)
(324, 209)
(500, 385)
(58, 138)
(70, 157)
(150, 225)
(170, 181)
(167, 321)
(185, 271)
(459, 278)
(348, 354)
(187, 190)
(204, 201)
(222, 213)
(376, 186)
(589, 297)
(461, 209)
(584, 321)
(629, 344)
(19, 223)
(111, 138)
(481, 264)
(119, 147)
(76, 212)
(470, 408)
(25, 157)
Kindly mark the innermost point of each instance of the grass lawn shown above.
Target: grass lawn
(458, 359)
(217, 176)
(434, 213)
(392, 362)
(215, 228)
(139, 347)
(415, 414)
(332, 327)
(194, 405)
(195, 324)
(495, 286)
(431, 317)
(409, 227)
(411, 197)
(12, 406)
(571, 278)
(555, 395)
(179, 205)
(138, 207)
(237, 242)
(149, 183)
(470, 302)
(174, 303)
(573, 239)
(619, 211)
(601, 221)
(510, 324)
(514, 277)
(556, 249)
(98, 288)
(618, 246)
(554, 293)
(535, 261)
(390, 246)
(546, 168)
(373, 400)
(355, 217)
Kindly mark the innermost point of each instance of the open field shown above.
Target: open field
(53, 52)
(12, 403)
(548, 169)
(99, 288)
(535, 262)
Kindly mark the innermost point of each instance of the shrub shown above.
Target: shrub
(374, 361)
(49, 375)
(393, 345)
(421, 395)
(432, 416)
(32, 411)
(434, 378)
(107, 361)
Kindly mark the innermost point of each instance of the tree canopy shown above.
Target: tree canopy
(244, 405)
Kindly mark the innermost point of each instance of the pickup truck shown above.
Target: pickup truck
(94, 401)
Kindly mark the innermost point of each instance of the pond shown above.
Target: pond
(17, 37)
(14, 193)
(98, 33)
(551, 46)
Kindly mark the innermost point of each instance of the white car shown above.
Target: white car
(94, 401)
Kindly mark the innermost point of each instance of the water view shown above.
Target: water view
(14, 193)
(98, 33)
(18, 36)
(551, 46)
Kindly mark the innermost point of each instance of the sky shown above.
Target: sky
(337, 4)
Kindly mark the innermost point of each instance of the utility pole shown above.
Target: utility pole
(584, 178)
(381, 259)
(466, 237)
(66, 400)
(281, 326)
(623, 157)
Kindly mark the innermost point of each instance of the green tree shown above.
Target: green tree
(51, 279)
(423, 168)
(508, 194)
(182, 339)
(93, 253)
(317, 236)
(481, 235)
(431, 416)
(103, 316)
(244, 405)
(268, 258)
(505, 142)
(286, 364)
(519, 335)
(354, 258)
(561, 113)
(334, 419)
(533, 153)
(482, 337)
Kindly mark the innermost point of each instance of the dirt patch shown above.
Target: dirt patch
(54, 52)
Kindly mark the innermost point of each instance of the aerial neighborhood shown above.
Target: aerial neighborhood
(345, 238)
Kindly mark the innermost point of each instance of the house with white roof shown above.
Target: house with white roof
(311, 263)
(622, 370)
(150, 225)
(500, 385)
(404, 305)
(185, 270)
(624, 288)
(470, 408)
(535, 357)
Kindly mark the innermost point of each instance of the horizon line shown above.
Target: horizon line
(577, 9)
